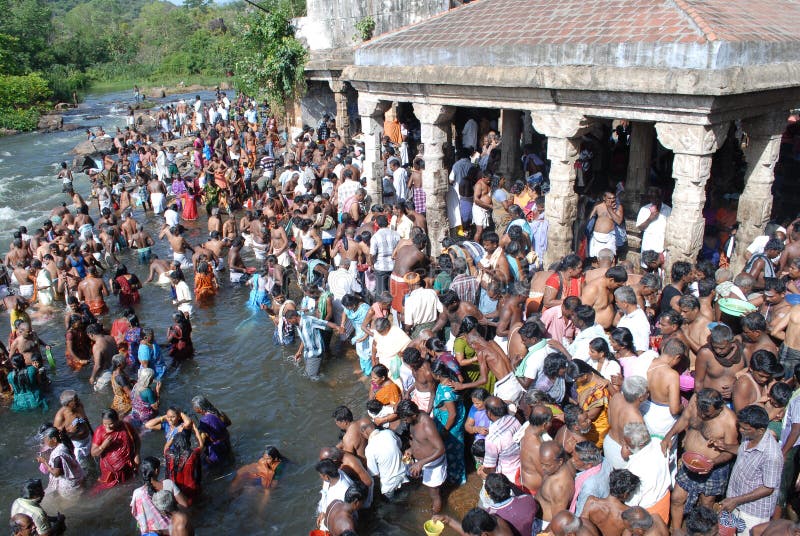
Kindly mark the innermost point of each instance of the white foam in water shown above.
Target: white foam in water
(8, 213)
(5, 153)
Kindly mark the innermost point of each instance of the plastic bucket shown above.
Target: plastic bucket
(731, 313)
(433, 528)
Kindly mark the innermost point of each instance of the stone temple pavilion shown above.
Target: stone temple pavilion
(678, 70)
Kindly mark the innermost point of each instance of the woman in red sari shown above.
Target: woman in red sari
(179, 337)
(126, 286)
(189, 205)
(78, 349)
(117, 444)
(184, 464)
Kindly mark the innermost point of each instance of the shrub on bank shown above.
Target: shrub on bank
(19, 119)
(21, 98)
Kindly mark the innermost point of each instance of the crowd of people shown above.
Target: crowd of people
(592, 396)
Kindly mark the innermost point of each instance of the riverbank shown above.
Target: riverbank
(170, 85)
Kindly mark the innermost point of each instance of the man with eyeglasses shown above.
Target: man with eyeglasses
(29, 505)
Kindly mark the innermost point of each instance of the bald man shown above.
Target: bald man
(639, 522)
(565, 523)
(351, 465)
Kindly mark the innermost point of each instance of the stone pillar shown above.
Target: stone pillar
(527, 128)
(694, 147)
(372, 111)
(510, 151)
(561, 204)
(435, 132)
(339, 88)
(755, 204)
(641, 154)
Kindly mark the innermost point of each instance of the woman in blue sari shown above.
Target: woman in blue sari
(213, 427)
(150, 354)
(356, 311)
(449, 414)
(259, 294)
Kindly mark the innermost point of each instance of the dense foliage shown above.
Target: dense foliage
(73, 44)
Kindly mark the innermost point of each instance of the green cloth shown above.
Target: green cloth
(442, 282)
(533, 349)
(27, 393)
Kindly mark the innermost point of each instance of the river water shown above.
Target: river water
(237, 367)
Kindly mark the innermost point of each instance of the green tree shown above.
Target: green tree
(270, 59)
(28, 22)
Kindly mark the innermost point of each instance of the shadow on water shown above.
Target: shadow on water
(237, 367)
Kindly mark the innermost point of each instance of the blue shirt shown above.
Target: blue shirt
(310, 335)
(594, 486)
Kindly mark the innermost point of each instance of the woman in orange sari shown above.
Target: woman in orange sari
(593, 397)
(383, 389)
(205, 284)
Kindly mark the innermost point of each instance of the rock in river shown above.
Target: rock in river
(96, 146)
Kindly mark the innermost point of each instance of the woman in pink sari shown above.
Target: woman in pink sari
(117, 444)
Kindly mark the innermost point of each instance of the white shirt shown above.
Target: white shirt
(341, 282)
(653, 236)
(385, 460)
(534, 360)
(171, 217)
(422, 305)
(639, 327)
(400, 180)
(757, 245)
(182, 293)
(652, 468)
(579, 349)
(403, 226)
(331, 493)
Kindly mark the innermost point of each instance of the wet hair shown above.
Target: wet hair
(585, 315)
(589, 453)
(406, 408)
(781, 392)
(327, 467)
(478, 521)
(490, 236)
(680, 270)
(204, 404)
(623, 337)
(374, 406)
(765, 361)
(18, 362)
(356, 492)
(273, 452)
(637, 518)
(532, 330)
(149, 470)
(498, 487)
(553, 363)
(382, 324)
(622, 484)
(617, 273)
(633, 388)
(572, 413)
(449, 297)
(569, 261)
(381, 371)
(689, 301)
(675, 347)
(753, 415)
(708, 399)
(117, 360)
(440, 369)
(774, 244)
(468, 325)
(720, 334)
(599, 344)
(32, 489)
(496, 407)
(651, 281)
(701, 521)
(774, 284)
(435, 344)
(705, 287)
(479, 448)
(342, 414)
(636, 433)
(571, 303)
(673, 317)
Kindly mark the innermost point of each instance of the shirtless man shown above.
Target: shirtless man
(424, 389)
(478, 522)
(103, 349)
(92, 290)
(352, 466)
(707, 421)
(71, 418)
(159, 270)
(143, 242)
(352, 441)
(279, 243)
(507, 388)
(482, 207)
(577, 426)
(203, 254)
(236, 266)
(28, 343)
(623, 408)
(347, 246)
(788, 330)
(609, 214)
(695, 325)
(454, 312)
(25, 279)
(128, 228)
(408, 258)
(531, 472)
(214, 222)
(229, 229)
(755, 335)
(663, 382)
(216, 244)
(558, 484)
(178, 244)
(340, 516)
(566, 523)
(427, 450)
(605, 260)
(718, 362)
(600, 295)
(510, 313)
(753, 384)
(606, 513)
(259, 234)
(775, 306)
(639, 522)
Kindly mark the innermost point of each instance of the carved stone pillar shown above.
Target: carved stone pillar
(755, 204)
(372, 111)
(561, 205)
(510, 150)
(435, 132)
(339, 88)
(641, 154)
(694, 146)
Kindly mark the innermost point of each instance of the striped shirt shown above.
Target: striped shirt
(466, 286)
(381, 248)
(310, 335)
(502, 452)
(756, 466)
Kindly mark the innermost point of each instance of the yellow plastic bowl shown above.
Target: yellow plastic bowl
(433, 528)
